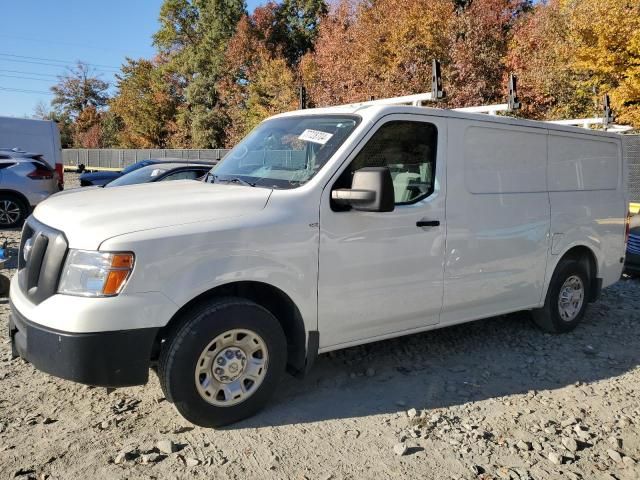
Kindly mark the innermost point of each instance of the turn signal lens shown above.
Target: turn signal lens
(121, 265)
(115, 280)
(122, 260)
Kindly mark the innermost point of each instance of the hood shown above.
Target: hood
(90, 216)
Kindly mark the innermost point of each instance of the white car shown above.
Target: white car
(322, 229)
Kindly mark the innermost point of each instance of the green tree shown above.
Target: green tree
(298, 23)
(110, 127)
(193, 35)
(271, 91)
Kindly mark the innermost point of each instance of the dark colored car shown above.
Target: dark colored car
(632, 258)
(161, 172)
(100, 179)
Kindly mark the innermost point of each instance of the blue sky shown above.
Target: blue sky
(39, 38)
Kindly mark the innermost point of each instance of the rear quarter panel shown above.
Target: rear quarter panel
(587, 179)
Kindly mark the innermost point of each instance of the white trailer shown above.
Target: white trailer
(35, 136)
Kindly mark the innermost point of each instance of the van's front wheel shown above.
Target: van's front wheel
(224, 362)
(566, 300)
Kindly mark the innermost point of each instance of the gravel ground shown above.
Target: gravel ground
(492, 399)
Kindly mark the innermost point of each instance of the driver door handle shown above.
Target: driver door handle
(428, 223)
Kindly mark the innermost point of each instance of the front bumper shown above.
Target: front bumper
(108, 359)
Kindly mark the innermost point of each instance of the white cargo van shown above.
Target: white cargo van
(320, 230)
(37, 136)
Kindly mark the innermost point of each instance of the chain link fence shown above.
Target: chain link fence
(116, 158)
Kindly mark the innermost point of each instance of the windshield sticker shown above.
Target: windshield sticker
(315, 136)
(156, 172)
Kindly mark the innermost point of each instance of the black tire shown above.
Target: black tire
(10, 203)
(4, 286)
(180, 354)
(548, 317)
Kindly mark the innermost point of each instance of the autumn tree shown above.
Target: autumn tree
(79, 98)
(146, 105)
(568, 54)
(541, 54)
(328, 72)
(605, 40)
(481, 33)
(87, 129)
(377, 49)
(259, 79)
(79, 89)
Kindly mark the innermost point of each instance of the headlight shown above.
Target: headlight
(95, 274)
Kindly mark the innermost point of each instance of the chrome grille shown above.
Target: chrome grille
(40, 263)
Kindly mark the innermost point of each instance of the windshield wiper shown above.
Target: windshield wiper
(233, 180)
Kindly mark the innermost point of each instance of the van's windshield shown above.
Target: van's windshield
(284, 152)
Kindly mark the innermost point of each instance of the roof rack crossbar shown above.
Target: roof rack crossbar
(490, 109)
(416, 100)
(606, 120)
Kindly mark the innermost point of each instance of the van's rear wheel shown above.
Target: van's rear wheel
(566, 300)
(224, 362)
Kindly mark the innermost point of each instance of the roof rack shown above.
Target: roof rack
(438, 93)
(513, 103)
(589, 122)
(417, 100)
(606, 120)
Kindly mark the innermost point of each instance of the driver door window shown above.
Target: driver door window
(409, 150)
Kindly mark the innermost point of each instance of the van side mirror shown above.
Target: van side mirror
(371, 191)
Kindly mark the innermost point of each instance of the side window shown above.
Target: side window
(183, 175)
(409, 150)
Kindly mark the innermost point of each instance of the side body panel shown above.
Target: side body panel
(497, 220)
(587, 179)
